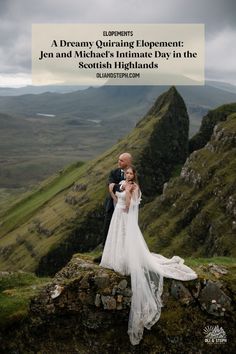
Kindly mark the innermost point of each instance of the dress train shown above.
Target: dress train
(126, 252)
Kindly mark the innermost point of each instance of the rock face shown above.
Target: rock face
(167, 142)
(196, 214)
(212, 118)
(69, 209)
(85, 309)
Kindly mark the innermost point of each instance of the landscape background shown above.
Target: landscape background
(78, 125)
(42, 133)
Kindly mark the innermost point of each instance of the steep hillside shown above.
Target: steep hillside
(42, 231)
(208, 123)
(196, 214)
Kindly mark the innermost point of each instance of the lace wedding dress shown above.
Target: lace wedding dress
(126, 252)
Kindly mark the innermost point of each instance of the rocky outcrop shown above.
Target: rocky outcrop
(85, 309)
(167, 142)
(70, 207)
(212, 118)
(195, 215)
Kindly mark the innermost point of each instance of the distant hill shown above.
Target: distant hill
(222, 85)
(104, 102)
(29, 89)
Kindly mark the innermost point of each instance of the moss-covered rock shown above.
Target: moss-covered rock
(85, 309)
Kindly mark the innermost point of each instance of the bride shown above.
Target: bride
(126, 252)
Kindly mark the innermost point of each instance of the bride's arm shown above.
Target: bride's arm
(128, 193)
(114, 197)
(127, 197)
(136, 194)
(132, 191)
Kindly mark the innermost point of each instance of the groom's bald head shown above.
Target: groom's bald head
(125, 160)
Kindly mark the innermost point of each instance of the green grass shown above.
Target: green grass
(16, 290)
(8, 197)
(216, 260)
(228, 262)
(23, 209)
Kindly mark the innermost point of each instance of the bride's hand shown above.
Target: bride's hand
(114, 197)
(129, 187)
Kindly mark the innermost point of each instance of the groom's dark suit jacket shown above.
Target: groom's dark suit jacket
(116, 176)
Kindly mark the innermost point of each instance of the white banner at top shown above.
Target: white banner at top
(118, 54)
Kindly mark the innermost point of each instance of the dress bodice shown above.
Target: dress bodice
(121, 202)
(121, 199)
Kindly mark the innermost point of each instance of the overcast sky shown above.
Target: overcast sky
(17, 16)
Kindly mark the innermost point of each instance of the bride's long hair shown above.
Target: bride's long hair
(135, 179)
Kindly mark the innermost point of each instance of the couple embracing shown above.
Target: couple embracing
(125, 251)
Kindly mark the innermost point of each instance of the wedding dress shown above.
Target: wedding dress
(126, 252)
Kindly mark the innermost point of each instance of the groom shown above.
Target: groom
(116, 176)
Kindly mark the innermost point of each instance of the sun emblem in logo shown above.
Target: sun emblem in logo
(208, 329)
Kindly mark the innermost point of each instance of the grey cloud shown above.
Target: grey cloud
(3, 6)
(17, 16)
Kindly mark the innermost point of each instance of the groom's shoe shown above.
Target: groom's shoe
(97, 259)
